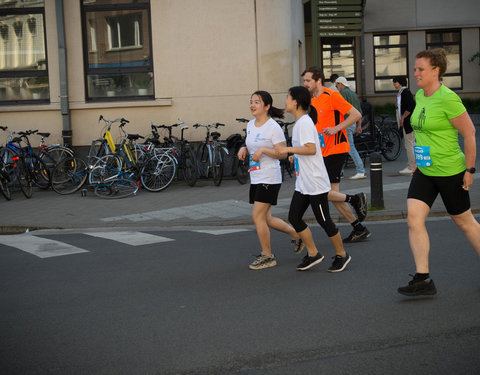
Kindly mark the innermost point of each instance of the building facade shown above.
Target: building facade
(65, 63)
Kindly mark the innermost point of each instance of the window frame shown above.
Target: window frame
(325, 41)
(432, 45)
(385, 46)
(141, 6)
(28, 73)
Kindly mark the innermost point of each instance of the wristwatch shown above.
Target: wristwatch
(471, 170)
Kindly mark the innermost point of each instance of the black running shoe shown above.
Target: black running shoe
(308, 262)
(361, 206)
(418, 287)
(339, 263)
(357, 236)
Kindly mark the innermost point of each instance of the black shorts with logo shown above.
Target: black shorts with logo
(265, 193)
(426, 189)
(334, 164)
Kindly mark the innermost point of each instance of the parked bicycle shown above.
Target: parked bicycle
(380, 138)
(181, 151)
(240, 166)
(14, 166)
(285, 165)
(209, 154)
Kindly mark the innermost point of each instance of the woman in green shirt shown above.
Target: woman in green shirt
(442, 167)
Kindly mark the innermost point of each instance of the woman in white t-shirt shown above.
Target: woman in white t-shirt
(263, 140)
(312, 182)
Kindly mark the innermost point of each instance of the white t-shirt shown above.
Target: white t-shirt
(267, 171)
(312, 176)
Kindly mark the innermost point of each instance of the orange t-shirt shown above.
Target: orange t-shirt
(331, 107)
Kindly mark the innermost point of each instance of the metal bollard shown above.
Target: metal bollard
(376, 183)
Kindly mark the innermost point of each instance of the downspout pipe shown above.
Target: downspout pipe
(62, 59)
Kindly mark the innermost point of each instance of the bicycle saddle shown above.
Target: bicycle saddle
(44, 134)
(216, 135)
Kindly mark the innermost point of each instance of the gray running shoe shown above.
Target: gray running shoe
(418, 287)
(357, 236)
(308, 262)
(263, 261)
(361, 207)
(339, 263)
(298, 246)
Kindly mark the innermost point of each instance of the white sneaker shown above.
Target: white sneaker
(358, 176)
(406, 171)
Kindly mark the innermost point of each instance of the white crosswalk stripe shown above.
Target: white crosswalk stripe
(48, 248)
(218, 232)
(40, 247)
(130, 237)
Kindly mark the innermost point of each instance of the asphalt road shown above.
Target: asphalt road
(183, 301)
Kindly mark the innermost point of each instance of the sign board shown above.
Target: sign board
(339, 14)
(340, 8)
(336, 34)
(339, 2)
(340, 27)
(322, 21)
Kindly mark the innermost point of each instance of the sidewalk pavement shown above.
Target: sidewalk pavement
(202, 205)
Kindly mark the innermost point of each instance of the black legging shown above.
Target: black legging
(319, 204)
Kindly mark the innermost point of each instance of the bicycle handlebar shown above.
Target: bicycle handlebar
(4, 128)
(242, 120)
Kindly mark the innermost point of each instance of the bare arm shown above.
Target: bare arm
(276, 152)
(353, 117)
(306, 149)
(465, 127)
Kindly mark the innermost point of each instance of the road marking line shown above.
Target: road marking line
(40, 247)
(130, 237)
(218, 232)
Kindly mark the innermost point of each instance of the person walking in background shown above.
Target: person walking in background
(312, 183)
(405, 105)
(263, 142)
(331, 107)
(344, 88)
(331, 84)
(438, 117)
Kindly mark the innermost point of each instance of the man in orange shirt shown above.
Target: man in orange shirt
(331, 127)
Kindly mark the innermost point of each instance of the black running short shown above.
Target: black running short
(426, 189)
(334, 164)
(265, 193)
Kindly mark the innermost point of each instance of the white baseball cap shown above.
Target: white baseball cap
(343, 81)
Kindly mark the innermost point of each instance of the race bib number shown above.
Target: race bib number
(321, 139)
(422, 156)
(297, 168)
(253, 165)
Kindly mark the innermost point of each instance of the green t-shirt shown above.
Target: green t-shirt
(430, 121)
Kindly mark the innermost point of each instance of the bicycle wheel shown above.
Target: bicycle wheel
(203, 160)
(23, 177)
(41, 175)
(242, 171)
(158, 172)
(4, 189)
(189, 167)
(217, 166)
(105, 168)
(391, 143)
(117, 188)
(53, 155)
(69, 175)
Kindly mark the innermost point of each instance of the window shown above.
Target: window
(338, 57)
(23, 58)
(390, 60)
(118, 61)
(450, 41)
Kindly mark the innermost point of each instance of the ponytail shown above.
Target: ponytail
(276, 112)
(312, 112)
